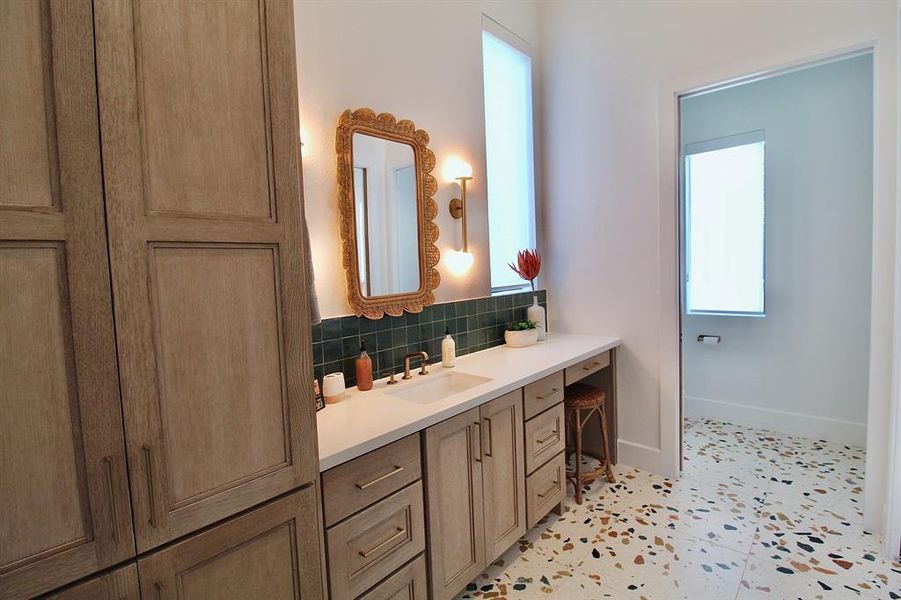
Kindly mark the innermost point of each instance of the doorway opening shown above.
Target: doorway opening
(776, 262)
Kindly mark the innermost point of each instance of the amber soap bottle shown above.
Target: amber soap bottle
(364, 369)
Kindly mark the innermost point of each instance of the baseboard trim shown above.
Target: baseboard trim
(793, 423)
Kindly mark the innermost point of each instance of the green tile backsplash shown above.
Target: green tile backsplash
(475, 325)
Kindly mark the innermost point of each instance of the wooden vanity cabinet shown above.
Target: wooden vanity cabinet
(503, 470)
(454, 497)
(375, 525)
(476, 499)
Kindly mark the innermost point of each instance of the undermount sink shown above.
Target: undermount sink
(426, 389)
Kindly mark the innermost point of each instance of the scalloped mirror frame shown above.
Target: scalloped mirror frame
(386, 126)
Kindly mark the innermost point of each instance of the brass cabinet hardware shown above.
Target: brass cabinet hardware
(381, 478)
(552, 435)
(477, 454)
(554, 487)
(489, 435)
(548, 394)
(151, 495)
(111, 492)
(400, 532)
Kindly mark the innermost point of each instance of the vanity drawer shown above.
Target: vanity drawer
(587, 367)
(409, 583)
(545, 488)
(544, 437)
(358, 483)
(370, 545)
(543, 394)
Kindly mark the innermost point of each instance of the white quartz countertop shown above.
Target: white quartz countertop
(364, 421)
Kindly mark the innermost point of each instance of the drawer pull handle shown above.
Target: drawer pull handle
(111, 492)
(548, 394)
(552, 435)
(363, 486)
(554, 487)
(400, 533)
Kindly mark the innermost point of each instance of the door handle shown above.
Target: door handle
(477, 454)
(151, 492)
(547, 395)
(489, 433)
(111, 492)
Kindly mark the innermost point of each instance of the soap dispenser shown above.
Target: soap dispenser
(364, 369)
(448, 350)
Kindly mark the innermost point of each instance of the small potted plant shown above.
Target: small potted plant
(528, 266)
(520, 334)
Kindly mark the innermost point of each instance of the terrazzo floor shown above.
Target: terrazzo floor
(757, 514)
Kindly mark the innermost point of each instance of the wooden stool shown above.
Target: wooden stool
(580, 402)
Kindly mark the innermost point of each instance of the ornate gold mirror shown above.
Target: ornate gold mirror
(387, 212)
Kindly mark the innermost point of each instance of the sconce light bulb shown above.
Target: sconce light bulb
(458, 262)
(455, 167)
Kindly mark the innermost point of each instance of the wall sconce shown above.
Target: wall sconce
(459, 261)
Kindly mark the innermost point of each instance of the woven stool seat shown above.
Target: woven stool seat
(582, 401)
(582, 395)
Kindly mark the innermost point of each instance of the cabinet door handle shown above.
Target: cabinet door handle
(596, 363)
(548, 437)
(550, 490)
(363, 486)
(477, 454)
(151, 492)
(547, 395)
(488, 431)
(111, 492)
(367, 553)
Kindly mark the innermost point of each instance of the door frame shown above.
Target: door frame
(884, 372)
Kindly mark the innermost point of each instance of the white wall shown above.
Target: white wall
(417, 60)
(610, 71)
(784, 371)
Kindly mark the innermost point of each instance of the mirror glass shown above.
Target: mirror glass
(386, 216)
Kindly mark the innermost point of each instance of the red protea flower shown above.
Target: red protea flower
(528, 265)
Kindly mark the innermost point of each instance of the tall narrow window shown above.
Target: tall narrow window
(724, 226)
(507, 70)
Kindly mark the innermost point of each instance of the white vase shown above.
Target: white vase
(537, 313)
(521, 339)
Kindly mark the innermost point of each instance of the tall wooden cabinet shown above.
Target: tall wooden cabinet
(201, 180)
(150, 246)
(64, 505)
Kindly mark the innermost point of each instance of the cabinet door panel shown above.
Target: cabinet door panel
(504, 473)
(455, 503)
(120, 584)
(64, 506)
(270, 552)
(200, 134)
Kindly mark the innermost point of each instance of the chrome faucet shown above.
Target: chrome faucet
(422, 371)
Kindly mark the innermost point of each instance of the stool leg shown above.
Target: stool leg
(607, 467)
(578, 440)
